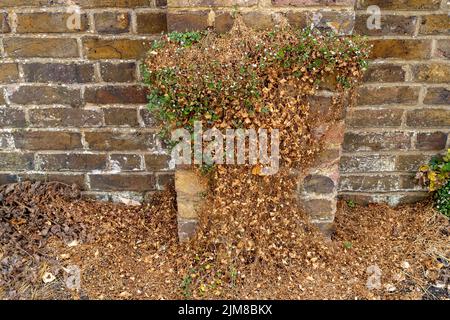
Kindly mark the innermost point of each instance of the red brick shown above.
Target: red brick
(119, 141)
(65, 117)
(224, 22)
(7, 178)
(122, 182)
(211, 3)
(411, 162)
(115, 95)
(163, 180)
(431, 141)
(47, 140)
(258, 20)
(370, 183)
(71, 162)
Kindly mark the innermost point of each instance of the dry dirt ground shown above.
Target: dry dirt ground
(54, 245)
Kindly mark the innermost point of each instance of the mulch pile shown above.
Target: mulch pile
(131, 252)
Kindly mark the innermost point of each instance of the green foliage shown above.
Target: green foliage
(436, 176)
(186, 39)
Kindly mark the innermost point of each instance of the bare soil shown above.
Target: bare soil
(132, 252)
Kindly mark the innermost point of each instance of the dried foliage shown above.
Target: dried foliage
(252, 79)
(131, 252)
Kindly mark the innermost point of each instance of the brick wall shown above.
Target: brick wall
(403, 113)
(71, 108)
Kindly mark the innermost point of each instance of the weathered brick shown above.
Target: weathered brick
(96, 48)
(119, 141)
(341, 22)
(115, 94)
(377, 141)
(122, 182)
(4, 24)
(65, 117)
(112, 22)
(318, 184)
(435, 24)
(121, 117)
(384, 73)
(437, 95)
(431, 140)
(358, 118)
(10, 117)
(211, 3)
(370, 183)
(258, 20)
(431, 72)
(46, 95)
(442, 49)
(118, 72)
(49, 22)
(297, 19)
(148, 118)
(71, 162)
(157, 162)
(367, 163)
(47, 140)
(319, 209)
(301, 3)
(2, 97)
(407, 49)
(400, 4)
(320, 107)
(125, 162)
(7, 178)
(41, 48)
(70, 179)
(224, 22)
(428, 117)
(163, 180)
(187, 21)
(388, 95)
(58, 73)
(81, 3)
(16, 161)
(411, 162)
(151, 22)
(390, 25)
(9, 73)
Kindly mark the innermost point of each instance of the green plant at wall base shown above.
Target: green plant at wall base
(436, 176)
